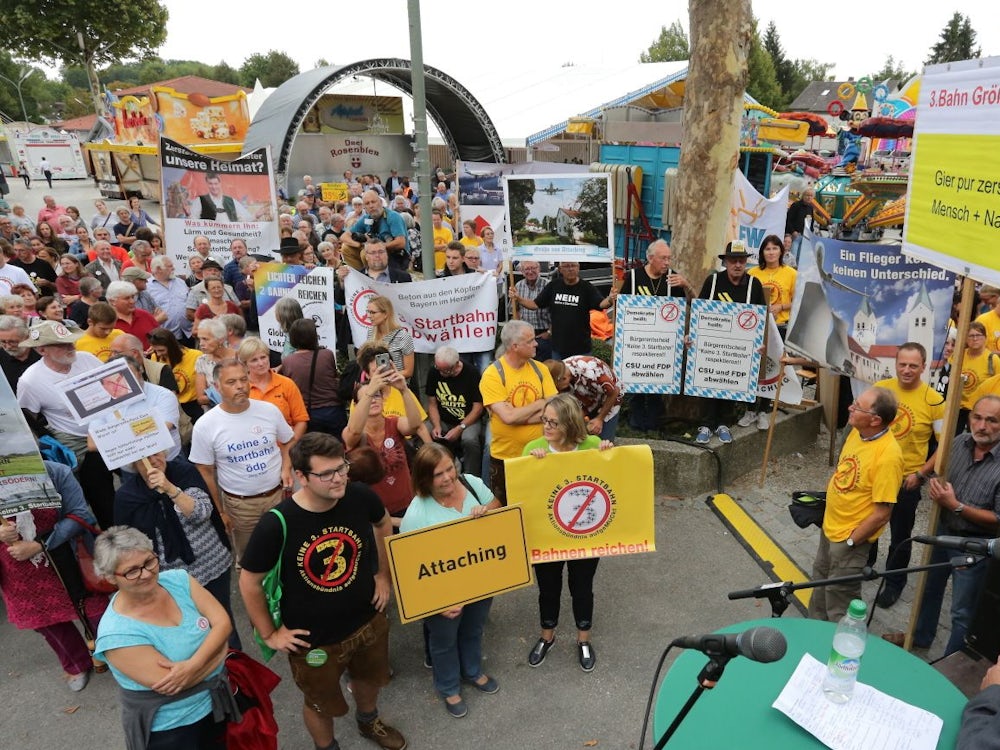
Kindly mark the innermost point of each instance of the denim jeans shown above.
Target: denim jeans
(967, 584)
(610, 427)
(456, 646)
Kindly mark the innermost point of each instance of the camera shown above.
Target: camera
(359, 237)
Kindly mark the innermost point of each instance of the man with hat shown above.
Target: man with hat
(291, 251)
(40, 397)
(210, 269)
(732, 284)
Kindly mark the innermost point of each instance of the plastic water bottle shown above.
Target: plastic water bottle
(845, 656)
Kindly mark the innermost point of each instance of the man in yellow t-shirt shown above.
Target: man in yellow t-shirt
(514, 389)
(101, 331)
(859, 500)
(920, 413)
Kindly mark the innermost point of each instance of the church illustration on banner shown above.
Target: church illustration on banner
(872, 361)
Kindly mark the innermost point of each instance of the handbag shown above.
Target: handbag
(94, 583)
(272, 591)
(808, 508)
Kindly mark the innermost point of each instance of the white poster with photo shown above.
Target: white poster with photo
(97, 392)
(724, 358)
(649, 343)
(460, 311)
(560, 217)
(24, 482)
(313, 289)
(220, 200)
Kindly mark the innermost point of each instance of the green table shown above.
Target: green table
(738, 712)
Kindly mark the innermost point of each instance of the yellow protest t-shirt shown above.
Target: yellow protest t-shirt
(920, 413)
(975, 372)
(992, 323)
(519, 387)
(779, 286)
(100, 348)
(393, 406)
(869, 472)
(989, 387)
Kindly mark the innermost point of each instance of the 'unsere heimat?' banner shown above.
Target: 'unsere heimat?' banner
(217, 199)
(460, 311)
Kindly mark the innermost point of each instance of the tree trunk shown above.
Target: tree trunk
(713, 108)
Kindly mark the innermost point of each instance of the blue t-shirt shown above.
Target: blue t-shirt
(389, 226)
(426, 511)
(175, 643)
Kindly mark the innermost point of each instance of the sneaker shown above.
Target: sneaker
(588, 657)
(489, 687)
(747, 419)
(724, 434)
(455, 710)
(763, 421)
(703, 436)
(538, 653)
(382, 734)
(78, 682)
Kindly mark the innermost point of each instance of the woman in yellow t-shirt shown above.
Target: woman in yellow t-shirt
(777, 278)
(978, 364)
(181, 360)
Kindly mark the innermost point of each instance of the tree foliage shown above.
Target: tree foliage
(111, 30)
(892, 70)
(272, 69)
(592, 216)
(522, 192)
(792, 75)
(762, 78)
(672, 44)
(957, 42)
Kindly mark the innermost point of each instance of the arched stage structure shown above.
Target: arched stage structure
(463, 122)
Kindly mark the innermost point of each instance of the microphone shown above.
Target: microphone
(761, 644)
(986, 547)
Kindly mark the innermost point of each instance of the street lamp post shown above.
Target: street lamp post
(17, 85)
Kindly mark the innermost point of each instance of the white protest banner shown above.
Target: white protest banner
(24, 483)
(111, 401)
(649, 343)
(724, 359)
(313, 290)
(752, 217)
(560, 217)
(220, 200)
(460, 311)
(767, 387)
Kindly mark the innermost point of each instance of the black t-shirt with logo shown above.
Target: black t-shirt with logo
(328, 566)
(570, 308)
(455, 394)
(37, 269)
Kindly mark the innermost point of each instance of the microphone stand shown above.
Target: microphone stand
(707, 679)
(780, 592)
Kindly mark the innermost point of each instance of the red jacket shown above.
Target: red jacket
(252, 684)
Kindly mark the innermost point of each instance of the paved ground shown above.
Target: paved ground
(643, 602)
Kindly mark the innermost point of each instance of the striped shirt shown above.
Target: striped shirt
(540, 320)
(976, 484)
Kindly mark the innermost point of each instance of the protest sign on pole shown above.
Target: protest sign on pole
(775, 376)
(856, 302)
(583, 504)
(452, 564)
(724, 359)
(752, 216)
(649, 343)
(560, 217)
(952, 212)
(217, 199)
(312, 289)
(460, 311)
(24, 483)
(110, 401)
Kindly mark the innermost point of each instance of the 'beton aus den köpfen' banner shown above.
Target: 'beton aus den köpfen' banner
(953, 202)
(460, 311)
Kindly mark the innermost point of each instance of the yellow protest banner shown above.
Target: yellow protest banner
(952, 208)
(334, 191)
(457, 563)
(585, 503)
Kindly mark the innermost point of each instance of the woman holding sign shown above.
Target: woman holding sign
(455, 637)
(564, 429)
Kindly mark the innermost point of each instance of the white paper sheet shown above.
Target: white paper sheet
(871, 719)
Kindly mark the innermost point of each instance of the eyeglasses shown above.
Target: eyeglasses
(331, 474)
(976, 336)
(373, 312)
(550, 423)
(151, 565)
(854, 405)
(9, 343)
